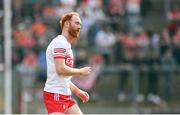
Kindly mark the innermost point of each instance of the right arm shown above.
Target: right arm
(63, 69)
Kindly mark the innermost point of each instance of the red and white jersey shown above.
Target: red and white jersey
(58, 48)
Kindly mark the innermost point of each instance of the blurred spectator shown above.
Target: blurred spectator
(83, 8)
(142, 43)
(172, 27)
(133, 14)
(17, 55)
(97, 12)
(93, 30)
(69, 3)
(141, 64)
(48, 15)
(176, 44)
(87, 19)
(165, 41)
(154, 41)
(176, 37)
(173, 18)
(42, 67)
(90, 11)
(118, 48)
(128, 57)
(168, 64)
(46, 37)
(125, 73)
(27, 71)
(23, 36)
(38, 27)
(153, 77)
(17, 9)
(174, 14)
(105, 41)
(129, 44)
(94, 3)
(64, 7)
(116, 8)
(81, 57)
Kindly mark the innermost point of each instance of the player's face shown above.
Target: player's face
(74, 27)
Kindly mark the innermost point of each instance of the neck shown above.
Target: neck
(67, 36)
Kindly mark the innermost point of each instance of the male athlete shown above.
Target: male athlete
(58, 87)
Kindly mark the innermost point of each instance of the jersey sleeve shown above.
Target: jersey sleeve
(59, 50)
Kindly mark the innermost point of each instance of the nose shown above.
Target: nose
(79, 26)
(79, 29)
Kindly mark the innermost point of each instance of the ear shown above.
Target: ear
(66, 23)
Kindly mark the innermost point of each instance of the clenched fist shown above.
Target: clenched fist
(84, 96)
(85, 71)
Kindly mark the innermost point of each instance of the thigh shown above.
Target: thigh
(74, 109)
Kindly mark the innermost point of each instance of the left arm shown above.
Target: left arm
(84, 96)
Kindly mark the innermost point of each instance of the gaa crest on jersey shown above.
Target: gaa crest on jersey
(69, 61)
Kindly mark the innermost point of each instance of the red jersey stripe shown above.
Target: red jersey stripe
(59, 57)
(59, 50)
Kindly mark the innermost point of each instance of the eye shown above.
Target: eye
(78, 23)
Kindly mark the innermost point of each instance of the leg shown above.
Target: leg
(74, 110)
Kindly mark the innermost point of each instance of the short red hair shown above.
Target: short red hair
(67, 17)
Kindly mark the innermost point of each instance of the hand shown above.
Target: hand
(84, 96)
(85, 71)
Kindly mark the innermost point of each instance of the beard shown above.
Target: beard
(75, 33)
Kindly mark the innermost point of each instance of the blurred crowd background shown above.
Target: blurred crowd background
(132, 45)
